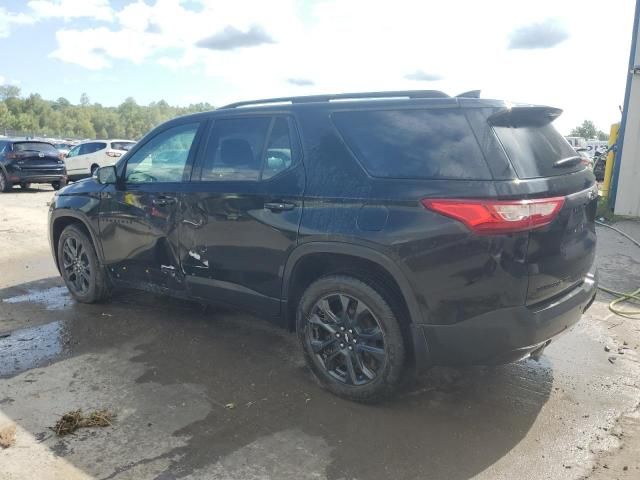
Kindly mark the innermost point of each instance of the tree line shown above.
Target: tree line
(34, 116)
(589, 131)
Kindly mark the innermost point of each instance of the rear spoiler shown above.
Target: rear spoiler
(524, 116)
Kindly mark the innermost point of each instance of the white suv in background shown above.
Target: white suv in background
(83, 159)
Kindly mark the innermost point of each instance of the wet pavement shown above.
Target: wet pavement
(209, 393)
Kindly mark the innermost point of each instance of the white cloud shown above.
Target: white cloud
(363, 45)
(8, 20)
(69, 9)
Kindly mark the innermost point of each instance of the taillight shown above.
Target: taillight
(113, 154)
(498, 216)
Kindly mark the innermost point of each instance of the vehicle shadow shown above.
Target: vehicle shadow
(449, 424)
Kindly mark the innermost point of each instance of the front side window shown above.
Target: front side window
(74, 151)
(164, 157)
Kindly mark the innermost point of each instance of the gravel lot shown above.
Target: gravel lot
(215, 394)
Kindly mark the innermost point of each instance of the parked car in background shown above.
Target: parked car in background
(63, 147)
(83, 159)
(23, 162)
(401, 229)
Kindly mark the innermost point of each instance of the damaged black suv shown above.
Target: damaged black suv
(389, 229)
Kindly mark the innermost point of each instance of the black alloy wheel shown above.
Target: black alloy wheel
(346, 339)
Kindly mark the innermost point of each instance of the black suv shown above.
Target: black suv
(23, 162)
(389, 229)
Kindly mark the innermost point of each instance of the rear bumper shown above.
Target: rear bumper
(505, 335)
(37, 176)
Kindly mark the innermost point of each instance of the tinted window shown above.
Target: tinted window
(126, 146)
(435, 143)
(534, 149)
(164, 157)
(278, 155)
(234, 149)
(35, 147)
(74, 151)
(91, 147)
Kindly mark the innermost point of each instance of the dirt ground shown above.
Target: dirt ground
(215, 394)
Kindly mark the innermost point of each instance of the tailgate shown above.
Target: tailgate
(559, 255)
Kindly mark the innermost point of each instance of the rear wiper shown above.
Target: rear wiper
(568, 162)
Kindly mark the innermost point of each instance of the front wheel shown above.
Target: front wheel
(59, 184)
(5, 184)
(351, 338)
(79, 266)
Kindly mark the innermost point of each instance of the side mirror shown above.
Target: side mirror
(106, 175)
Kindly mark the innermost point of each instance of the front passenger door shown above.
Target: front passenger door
(137, 220)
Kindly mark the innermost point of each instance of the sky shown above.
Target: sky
(569, 54)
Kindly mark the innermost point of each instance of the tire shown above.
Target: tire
(25, 185)
(371, 327)
(59, 184)
(86, 279)
(93, 169)
(5, 184)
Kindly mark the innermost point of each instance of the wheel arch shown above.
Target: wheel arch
(360, 261)
(63, 219)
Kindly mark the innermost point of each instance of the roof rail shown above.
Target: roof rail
(343, 96)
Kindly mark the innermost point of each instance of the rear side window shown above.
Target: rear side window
(92, 147)
(427, 143)
(234, 149)
(533, 150)
(35, 147)
(126, 146)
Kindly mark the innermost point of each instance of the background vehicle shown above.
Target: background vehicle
(83, 159)
(23, 162)
(386, 234)
(63, 147)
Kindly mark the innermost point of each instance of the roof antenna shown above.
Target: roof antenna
(469, 94)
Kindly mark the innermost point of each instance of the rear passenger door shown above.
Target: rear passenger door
(241, 213)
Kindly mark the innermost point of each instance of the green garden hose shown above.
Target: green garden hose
(630, 297)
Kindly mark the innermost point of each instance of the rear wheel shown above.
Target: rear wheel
(59, 184)
(25, 185)
(93, 169)
(78, 263)
(5, 184)
(351, 338)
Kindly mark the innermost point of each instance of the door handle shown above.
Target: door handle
(279, 206)
(163, 201)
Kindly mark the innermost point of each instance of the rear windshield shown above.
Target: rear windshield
(534, 149)
(126, 146)
(34, 147)
(413, 143)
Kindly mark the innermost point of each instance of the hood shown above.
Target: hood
(87, 185)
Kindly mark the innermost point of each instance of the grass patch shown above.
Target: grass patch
(71, 421)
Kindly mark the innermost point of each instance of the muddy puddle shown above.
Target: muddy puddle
(28, 348)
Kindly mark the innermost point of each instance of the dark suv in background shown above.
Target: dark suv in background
(23, 162)
(389, 229)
